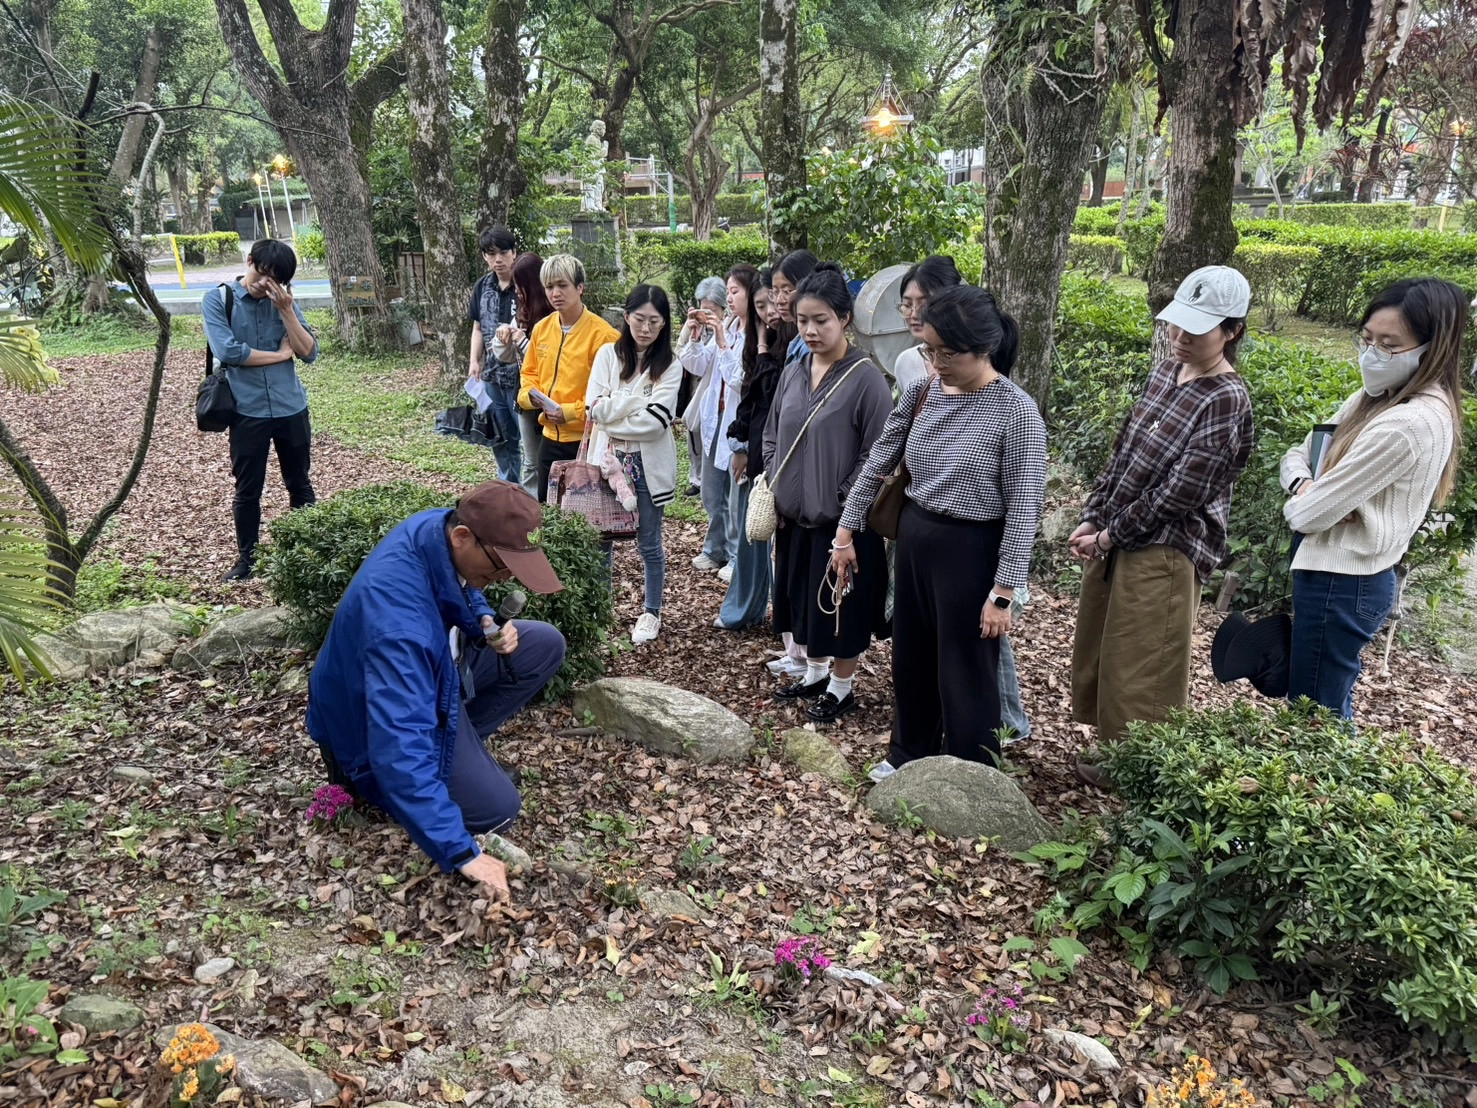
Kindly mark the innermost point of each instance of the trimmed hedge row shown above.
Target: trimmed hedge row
(651, 211)
(223, 246)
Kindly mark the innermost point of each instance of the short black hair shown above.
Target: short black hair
(273, 259)
(496, 239)
(933, 274)
(968, 321)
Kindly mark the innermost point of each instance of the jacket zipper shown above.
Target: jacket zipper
(554, 384)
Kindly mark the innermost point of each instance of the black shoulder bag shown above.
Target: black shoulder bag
(215, 404)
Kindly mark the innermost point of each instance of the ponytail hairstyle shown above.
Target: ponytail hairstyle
(827, 283)
(533, 302)
(968, 321)
(658, 355)
(1436, 313)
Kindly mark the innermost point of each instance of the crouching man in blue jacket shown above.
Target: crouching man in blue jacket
(415, 673)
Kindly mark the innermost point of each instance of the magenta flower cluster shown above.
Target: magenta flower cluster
(328, 802)
(801, 956)
(1000, 1014)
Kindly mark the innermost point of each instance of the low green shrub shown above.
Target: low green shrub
(1095, 254)
(1395, 216)
(311, 246)
(221, 246)
(1276, 272)
(315, 552)
(1141, 238)
(1096, 221)
(1260, 843)
(690, 261)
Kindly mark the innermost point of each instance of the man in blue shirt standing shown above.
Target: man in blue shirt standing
(256, 343)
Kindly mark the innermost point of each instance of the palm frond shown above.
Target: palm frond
(22, 360)
(44, 182)
(26, 597)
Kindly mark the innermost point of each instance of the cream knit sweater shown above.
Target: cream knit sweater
(1386, 482)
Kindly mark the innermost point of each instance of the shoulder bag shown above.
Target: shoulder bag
(579, 486)
(887, 508)
(215, 404)
(762, 518)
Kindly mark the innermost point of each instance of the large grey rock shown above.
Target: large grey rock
(101, 640)
(100, 1014)
(266, 1068)
(963, 800)
(666, 719)
(235, 640)
(814, 754)
(669, 902)
(1098, 1056)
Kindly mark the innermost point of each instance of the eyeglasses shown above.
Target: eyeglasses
(905, 306)
(940, 358)
(644, 323)
(1381, 351)
(496, 562)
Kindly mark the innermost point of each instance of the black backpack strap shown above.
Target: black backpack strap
(228, 294)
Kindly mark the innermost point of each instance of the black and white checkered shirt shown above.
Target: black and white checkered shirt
(976, 455)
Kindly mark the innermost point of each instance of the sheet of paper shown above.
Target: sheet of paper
(478, 392)
(545, 402)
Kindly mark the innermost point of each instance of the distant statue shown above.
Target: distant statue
(592, 198)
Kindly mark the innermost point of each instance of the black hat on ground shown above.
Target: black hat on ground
(1258, 650)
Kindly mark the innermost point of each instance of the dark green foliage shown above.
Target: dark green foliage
(314, 554)
(1142, 239)
(1260, 843)
(651, 211)
(1368, 217)
(691, 261)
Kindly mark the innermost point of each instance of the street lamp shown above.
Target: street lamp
(887, 115)
(283, 168)
(267, 227)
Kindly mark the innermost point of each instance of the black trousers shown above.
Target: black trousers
(251, 439)
(945, 677)
(550, 452)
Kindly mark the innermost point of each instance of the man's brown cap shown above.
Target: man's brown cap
(506, 519)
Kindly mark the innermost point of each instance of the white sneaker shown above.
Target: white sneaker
(786, 667)
(726, 573)
(881, 771)
(704, 563)
(648, 627)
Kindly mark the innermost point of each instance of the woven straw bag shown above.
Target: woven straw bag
(580, 487)
(762, 519)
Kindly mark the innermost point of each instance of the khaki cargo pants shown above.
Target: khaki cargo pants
(1131, 650)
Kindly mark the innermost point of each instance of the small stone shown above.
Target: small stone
(666, 720)
(294, 680)
(813, 753)
(963, 800)
(101, 1014)
(1099, 1057)
(213, 970)
(669, 902)
(136, 775)
(516, 857)
(246, 987)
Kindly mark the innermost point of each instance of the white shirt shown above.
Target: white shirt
(721, 390)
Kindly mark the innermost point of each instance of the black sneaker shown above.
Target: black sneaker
(241, 571)
(828, 709)
(801, 691)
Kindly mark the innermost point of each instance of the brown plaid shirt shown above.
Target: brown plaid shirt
(1169, 479)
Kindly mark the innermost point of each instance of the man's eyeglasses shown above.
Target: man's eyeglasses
(496, 562)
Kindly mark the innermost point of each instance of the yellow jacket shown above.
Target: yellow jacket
(558, 365)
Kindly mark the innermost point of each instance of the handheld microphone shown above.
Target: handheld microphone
(509, 609)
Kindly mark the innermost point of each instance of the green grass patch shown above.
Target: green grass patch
(105, 583)
(112, 335)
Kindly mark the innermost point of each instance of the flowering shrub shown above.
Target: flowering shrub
(1194, 1085)
(1000, 1016)
(798, 959)
(200, 1070)
(329, 802)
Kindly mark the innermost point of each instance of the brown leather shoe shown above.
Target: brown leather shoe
(1090, 774)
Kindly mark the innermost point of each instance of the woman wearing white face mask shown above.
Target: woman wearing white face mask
(1394, 453)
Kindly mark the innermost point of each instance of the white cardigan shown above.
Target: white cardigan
(723, 386)
(636, 413)
(1386, 481)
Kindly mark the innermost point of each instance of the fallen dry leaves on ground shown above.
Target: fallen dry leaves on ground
(367, 962)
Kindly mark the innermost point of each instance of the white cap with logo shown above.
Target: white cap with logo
(1206, 297)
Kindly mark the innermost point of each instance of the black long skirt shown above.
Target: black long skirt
(802, 555)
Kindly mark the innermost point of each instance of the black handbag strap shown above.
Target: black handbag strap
(229, 295)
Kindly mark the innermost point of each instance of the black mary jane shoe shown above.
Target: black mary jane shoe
(801, 691)
(828, 709)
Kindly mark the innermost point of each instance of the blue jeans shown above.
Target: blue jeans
(503, 685)
(507, 441)
(1012, 711)
(746, 603)
(721, 540)
(1334, 617)
(648, 545)
(530, 431)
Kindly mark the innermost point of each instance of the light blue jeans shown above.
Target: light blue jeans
(530, 431)
(746, 604)
(1012, 711)
(721, 541)
(649, 545)
(507, 446)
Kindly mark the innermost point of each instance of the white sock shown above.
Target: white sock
(816, 671)
(840, 687)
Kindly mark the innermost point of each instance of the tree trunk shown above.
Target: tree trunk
(1099, 177)
(179, 192)
(1202, 148)
(144, 88)
(318, 114)
(1376, 149)
(782, 120)
(145, 178)
(614, 115)
(428, 83)
(1130, 160)
(500, 175)
(1033, 181)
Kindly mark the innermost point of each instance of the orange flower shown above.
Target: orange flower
(191, 1088)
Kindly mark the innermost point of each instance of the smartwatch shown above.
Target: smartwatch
(1297, 483)
(1001, 602)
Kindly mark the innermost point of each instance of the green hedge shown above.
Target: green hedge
(689, 261)
(1096, 254)
(222, 246)
(651, 211)
(1395, 216)
(1103, 342)
(1275, 271)
(315, 552)
(1281, 845)
(1141, 238)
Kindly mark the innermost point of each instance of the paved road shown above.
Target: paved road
(186, 301)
